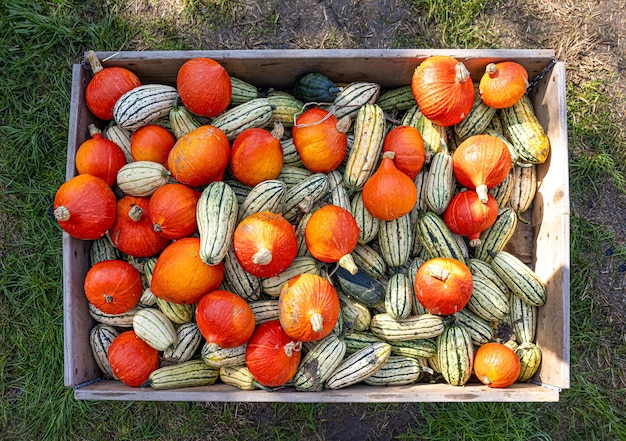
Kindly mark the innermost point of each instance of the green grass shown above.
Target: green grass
(40, 41)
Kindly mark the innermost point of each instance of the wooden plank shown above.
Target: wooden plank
(79, 365)
(551, 232)
(279, 68)
(361, 393)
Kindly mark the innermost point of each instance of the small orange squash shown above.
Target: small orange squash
(308, 307)
(481, 162)
(443, 89)
(107, 86)
(320, 140)
(331, 233)
(200, 156)
(496, 365)
(225, 320)
(113, 286)
(389, 193)
(407, 144)
(204, 86)
(133, 232)
(468, 216)
(503, 84)
(151, 142)
(272, 357)
(443, 285)
(180, 276)
(256, 155)
(265, 244)
(84, 207)
(100, 157)
(172, 210)
(132, 360)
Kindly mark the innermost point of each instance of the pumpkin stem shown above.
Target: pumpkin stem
(108, 298)
(485, 379)
(389, 155)
(343, 125)
(438, 272)
(462, 74)
(262, 257)
(491, 69)
(306, 204)
(291, 347)
(62, 213)
(482, 191)
(474, 243)
(93, 130)
(279, 130)
(317, 322)
(135, 213)
(347, 262)
(157, 228)
(93, 61)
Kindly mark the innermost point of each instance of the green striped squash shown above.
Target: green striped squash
(142, 178)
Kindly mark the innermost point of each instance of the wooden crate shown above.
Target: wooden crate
(545, 241)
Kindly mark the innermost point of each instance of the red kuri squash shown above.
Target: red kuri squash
(225, 319)
(180, 276)
(331, 233)
(308, 307)
(443, 285)
(84, 207)
(265, 244)
(133, 232)
(204, 86)
(496, 365)
(100, 157)
(106, 86)
(113, 286)
(256, 155)
(468, 216)
(132, 360)
(443, 89)
(407, 144)
(172, 210)
(389, 193)
(503, 84)
(480, 163)
(272, 357)
(151, 142)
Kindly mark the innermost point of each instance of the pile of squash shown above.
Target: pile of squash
(319, 237)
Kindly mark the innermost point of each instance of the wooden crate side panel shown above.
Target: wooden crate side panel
(114, 390)
(550, 222)
(280, 68)
(79, 365)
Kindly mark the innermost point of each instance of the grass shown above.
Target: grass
(40, 40)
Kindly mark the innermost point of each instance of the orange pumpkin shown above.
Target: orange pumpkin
(389, 193)
(272, 357)
(180, 276)
(308, 307)
(496, 365)
(100, 157)
(503, 84)
(443, 285)
(256, 155)
(107, 86)
(204, 86)
(84, 207)
(225, 320)
(468, 216)
(133, 232)
(172, 210)
(113, 286)
(132, 360)
(407, 144)
(151, 142)
(200, 156)
(265, 244)
(481, 162)
(331, 233)
(320, 144)
(443, 89)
